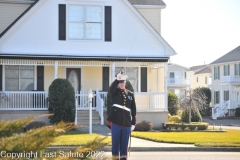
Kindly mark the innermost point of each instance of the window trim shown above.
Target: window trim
(19, 78)
(226, 70)
(84, 40)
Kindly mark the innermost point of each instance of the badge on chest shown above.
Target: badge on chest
(130, 97)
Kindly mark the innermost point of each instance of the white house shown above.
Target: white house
(86, 42)
(178, 81)
(226, 84)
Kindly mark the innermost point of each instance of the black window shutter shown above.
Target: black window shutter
(143, 79)
(108, 23)
(40, 78)
(105, 78)
(62, 21)
(0, 77)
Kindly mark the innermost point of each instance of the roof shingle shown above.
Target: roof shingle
(147, 2)
(231, 56)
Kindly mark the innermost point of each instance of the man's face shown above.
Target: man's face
(122, 85)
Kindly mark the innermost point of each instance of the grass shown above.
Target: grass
(231, 138)
(75, 137)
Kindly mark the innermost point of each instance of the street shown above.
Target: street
(182, 155)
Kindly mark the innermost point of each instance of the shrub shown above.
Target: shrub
(195, 115)
(186, 126)
(174, 119)
(143, 126)
(237, 112)
(61, 101)
(173, 104)
(109, 99)
(169, 115)
(34, 125)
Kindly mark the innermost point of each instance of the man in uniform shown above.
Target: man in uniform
(122, 116)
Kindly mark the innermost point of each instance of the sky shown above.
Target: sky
(200, 31)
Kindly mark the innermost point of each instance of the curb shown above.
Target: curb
(150, 149)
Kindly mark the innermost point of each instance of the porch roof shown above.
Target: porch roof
(85, 58)
(152, 62)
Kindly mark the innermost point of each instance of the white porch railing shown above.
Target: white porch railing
(38, 100)
(225, 79)
(21, 100)
(99, 106)
(150, 100)
(178, 81)
(220, 109)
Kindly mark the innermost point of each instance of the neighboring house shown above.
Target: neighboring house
(226, 84)
(200, 76)
(86, 42)
(178, 81)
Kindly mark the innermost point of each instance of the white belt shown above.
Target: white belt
(122, 107)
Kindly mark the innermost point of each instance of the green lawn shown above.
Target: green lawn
(231, 138)
(75, 137)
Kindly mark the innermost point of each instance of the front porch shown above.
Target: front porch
(230, 99)
(149, 80)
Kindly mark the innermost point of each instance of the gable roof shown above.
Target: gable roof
(147, 2)
(173, 64)
(165, 48)
(19, 17)
(231, 56)
(193, 68)
(205, 70)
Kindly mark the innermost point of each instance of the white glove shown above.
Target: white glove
(132, 128)
(119, 73)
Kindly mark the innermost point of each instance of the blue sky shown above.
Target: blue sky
(201, 30)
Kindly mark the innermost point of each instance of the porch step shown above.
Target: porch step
(83, 118)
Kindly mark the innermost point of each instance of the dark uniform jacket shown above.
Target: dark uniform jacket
(125, 98)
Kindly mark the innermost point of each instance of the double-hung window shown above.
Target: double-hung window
(19, 78)
(226, 95)
(237, 69)
(85, 22)
(216, 72)
(226, 70)
(132, 73)
(216, 97)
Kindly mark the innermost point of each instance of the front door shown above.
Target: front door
(74, 77)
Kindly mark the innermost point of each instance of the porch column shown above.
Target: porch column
(113, 71)
(159, 80)
(56, 70)
(165, 86)
(230, 97)
(3, 78)
(221, 94)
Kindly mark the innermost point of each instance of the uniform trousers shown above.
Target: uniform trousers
(120, 137)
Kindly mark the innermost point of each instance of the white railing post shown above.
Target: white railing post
(90, 96)
(76, 103)
(56, 70)
(165, 86)
(102, 117)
